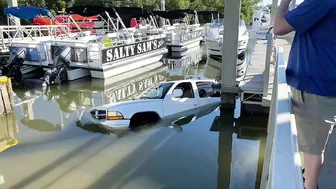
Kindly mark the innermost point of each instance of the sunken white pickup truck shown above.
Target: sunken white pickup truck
(166, 101)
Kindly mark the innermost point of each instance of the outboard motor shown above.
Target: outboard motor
(13, 66)
(62, 58)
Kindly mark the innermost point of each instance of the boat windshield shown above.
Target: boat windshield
(157, 92)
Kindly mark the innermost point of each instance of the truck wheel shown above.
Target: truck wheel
(142, 118)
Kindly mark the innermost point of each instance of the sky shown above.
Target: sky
(266, 2)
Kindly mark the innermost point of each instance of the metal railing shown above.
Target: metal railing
(269, 48)
(113, 42)
(282, 163)
(10, 34)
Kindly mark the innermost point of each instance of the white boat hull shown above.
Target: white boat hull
(179, 47)
(213, 69)
(214, 46)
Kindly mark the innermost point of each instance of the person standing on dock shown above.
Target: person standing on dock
(311, 74)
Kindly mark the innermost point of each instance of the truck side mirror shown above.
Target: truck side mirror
(177, 93)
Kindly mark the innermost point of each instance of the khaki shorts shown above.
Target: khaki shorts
(315, 119)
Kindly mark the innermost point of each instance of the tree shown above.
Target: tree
(247, 9)
(247, 6)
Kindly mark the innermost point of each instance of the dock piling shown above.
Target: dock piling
(6, 95)
(229, 64)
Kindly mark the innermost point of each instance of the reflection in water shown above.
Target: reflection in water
(99, 129)
(213, 66)
(180, 154)
(41, 125)
(232, 157)
(186, 65)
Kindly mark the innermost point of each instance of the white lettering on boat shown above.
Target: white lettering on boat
(191, 35)
(124, 51)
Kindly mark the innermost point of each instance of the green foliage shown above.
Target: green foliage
(35, 3)
(247, 6)
(3, 19)
(247, 9)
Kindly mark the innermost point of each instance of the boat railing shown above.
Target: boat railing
(282, 163)
(115, 42)
(10, 34)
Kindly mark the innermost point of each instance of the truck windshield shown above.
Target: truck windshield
(157, 92)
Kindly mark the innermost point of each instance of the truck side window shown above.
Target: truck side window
(205, 89)
(187, 89)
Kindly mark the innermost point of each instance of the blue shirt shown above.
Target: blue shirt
(312, 59)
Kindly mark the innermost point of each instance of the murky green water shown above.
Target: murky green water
(47, 147)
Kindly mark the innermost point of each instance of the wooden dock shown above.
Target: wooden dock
(257, 85)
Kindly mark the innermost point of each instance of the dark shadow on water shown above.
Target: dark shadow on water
(95, 128)
(144, 162)
(41, 125)
(56, 163)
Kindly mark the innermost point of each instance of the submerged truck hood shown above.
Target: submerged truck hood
(126, 103)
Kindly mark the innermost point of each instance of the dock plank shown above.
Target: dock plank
(254, 78)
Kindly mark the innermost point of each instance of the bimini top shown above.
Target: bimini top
(87, 10)
(205, 13)
(129, 12)
(170, 14)
(25, 12)
(185, 11)
(124, 12)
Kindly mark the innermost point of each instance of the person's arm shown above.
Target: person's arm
(300, 19)
(281, 26)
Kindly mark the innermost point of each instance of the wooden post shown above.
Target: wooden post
(8, 129)
(6, 95)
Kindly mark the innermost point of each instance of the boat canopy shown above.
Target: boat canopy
(87, 10)
(129, 12)
(169, 14)
(124, 12)
(206, 13)
(185, 11)
(26, 12)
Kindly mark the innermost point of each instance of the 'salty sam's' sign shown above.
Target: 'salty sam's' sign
(128, 50)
